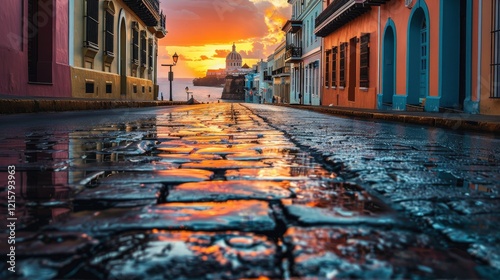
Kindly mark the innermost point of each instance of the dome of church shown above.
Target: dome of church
(233, 56)
(233, 61)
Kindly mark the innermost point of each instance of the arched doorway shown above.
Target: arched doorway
(417, 80)
(389, 64)
(123, 57)
(454, 53)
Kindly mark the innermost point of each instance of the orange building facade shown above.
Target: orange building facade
(410, 55)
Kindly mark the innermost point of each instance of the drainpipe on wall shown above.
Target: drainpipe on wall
(479, 46)
(379, 52)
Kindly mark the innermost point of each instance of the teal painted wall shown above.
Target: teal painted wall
(449, 52)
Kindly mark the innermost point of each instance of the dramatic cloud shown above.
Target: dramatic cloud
(221, 53)
(198, 22)
(203, 31)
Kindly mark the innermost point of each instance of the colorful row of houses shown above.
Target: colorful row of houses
(432, 55)
(95, 49)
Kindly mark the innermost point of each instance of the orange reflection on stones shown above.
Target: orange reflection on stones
(275, 173)
(183, 158)
(225, 164)
(184, 133)
(162, 176)
(225, 190)
(176, 150)
(252, 155)
(240, 148)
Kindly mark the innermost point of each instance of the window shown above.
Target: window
(134, 87)
(150, 53)
(334, 66)
(311, 29)
(343, 49)
(327, 68)
(92, 24)
(135, 43)
(89, 86)
(315, 37)
(143, 49)
(495, 50)
(109, 33)
(364, 60)
(40, 45)
(109, 87)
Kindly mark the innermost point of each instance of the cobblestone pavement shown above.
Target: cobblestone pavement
(225, 191)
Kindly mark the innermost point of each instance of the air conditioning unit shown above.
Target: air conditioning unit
(409, 4)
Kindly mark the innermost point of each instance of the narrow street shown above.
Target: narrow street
(227, 190)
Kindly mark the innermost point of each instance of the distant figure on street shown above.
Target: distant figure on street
(161, 95)
(274, 99)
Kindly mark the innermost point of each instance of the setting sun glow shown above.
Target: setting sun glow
(203, 31)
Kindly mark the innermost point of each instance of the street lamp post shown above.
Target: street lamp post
(175, 57)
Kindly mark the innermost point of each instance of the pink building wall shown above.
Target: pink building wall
(15, 33)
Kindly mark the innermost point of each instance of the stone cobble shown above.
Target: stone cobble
(225, 191)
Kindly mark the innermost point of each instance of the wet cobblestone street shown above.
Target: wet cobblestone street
(228, 191)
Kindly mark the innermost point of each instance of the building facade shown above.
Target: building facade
(34, 51)
(268, 79)
(262, 80)
(486, 86)
(409, 55)
(303, 52)
(80, 48)
(114, 48)
(281, 75)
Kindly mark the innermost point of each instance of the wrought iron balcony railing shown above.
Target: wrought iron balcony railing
(282, 71)
(293, 53)
(147, 10)
(339, 12)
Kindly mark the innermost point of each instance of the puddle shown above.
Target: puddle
(228, 190)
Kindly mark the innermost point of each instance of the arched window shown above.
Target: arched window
(109, 34)
(109, 18)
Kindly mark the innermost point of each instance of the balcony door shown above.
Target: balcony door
(123, 58)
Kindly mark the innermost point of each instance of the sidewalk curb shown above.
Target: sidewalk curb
(17, 106)
(450, 121)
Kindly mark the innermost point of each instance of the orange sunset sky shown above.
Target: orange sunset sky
(203, 31)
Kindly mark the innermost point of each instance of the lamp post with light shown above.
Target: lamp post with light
(175, 58)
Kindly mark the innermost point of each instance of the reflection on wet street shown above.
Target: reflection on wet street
(225, 191)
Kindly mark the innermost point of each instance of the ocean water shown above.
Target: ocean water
(202, 94)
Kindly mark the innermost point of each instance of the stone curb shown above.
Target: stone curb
(457, 122)
(16, 106)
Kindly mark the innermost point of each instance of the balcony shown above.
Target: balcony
(340, 12)
(147, 10)
(159, 30)
(283, 71)
(293, 54)
(292, 26)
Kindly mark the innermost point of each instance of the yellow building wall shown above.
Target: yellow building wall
(137, 89)
(82, 70)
